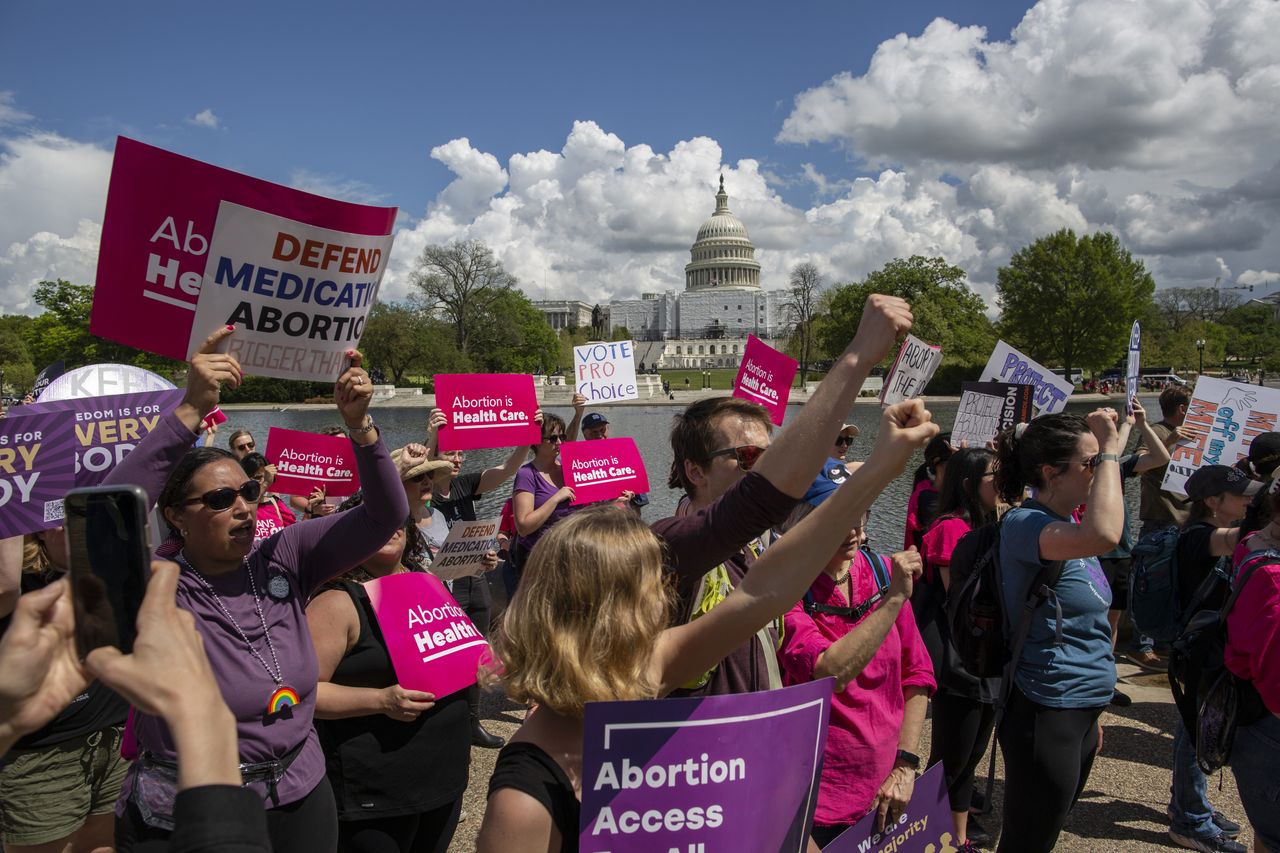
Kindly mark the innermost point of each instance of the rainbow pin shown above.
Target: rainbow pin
(283, 698)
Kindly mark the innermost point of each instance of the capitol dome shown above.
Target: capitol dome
(723, 255)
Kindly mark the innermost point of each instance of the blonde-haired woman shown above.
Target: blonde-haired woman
(595, 583)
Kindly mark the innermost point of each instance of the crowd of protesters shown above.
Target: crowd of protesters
(761, 578)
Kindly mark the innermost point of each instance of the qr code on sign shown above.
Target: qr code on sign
(53, 511)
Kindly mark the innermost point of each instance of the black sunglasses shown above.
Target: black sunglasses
(222, 499)
(1091, 462)
(246, 446)
(553, 439)
(418, 478)
(845, 440)
(746, 455)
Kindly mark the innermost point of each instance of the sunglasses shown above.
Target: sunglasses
(844, 441)
(1090, 463)
(249, 446)
(746, 455)
(553, 439)
(219, 500)
(418, 478)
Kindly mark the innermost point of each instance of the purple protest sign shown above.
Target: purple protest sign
(37, 469)
(923, 827)
(106, 429)
(722, 773)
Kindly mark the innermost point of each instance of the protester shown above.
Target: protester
(1253, 656)
(455, 497)
(849, 627)
(248, 603)
(1065, 674)
(589, 622)
(540, 497)
(273, 513)
(1263, 458)
(840, 450)
(963, 705)
(595, 426)
(397, 759)
(241, 443)
(922, 506)
(738, 485)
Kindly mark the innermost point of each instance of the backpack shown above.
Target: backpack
(880, 567)
(1153, 594)
(1212, 701)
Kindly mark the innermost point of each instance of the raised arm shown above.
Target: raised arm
(494, 477)
(579, 405)
(1103, 523)
(1154, 452)
(779, 578)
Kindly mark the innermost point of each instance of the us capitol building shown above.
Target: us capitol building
(707, 324)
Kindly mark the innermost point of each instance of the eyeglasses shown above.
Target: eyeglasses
(746, 455)
(247, 446)
(553, 439)
(219, 500)
(418, 478)
(844, 441)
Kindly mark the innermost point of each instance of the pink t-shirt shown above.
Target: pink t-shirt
(913, 513)
(1253, 631)
(862, 741)
(939, 542)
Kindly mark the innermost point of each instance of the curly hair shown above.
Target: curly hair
(591, 604)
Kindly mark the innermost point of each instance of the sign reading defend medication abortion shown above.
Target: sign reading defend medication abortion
(1223, 418)
(486, 410)
(462, 552)
(305, 460)
(160, 224)
(911, 371)
(433, 646)
(765, 377)
(37, 469)
(606, 371)
(1009, 365)
(924, 826)
(720, 774)
(603, 469)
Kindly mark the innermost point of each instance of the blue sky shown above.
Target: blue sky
(352, 100)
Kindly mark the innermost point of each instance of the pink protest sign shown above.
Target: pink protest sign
(433, 645)
(305, 460)
(486, 410)
(162, 209)
(603, 469)
(765, 377)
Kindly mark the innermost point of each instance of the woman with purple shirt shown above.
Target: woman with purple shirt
(540, 498)
(248, 605)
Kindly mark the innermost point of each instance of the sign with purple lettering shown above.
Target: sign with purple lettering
(107, 428)
(1008, 365)
(37, 469)
(719, 774)
(1133, 367)
(923, 827)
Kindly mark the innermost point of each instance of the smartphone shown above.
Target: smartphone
(109, 563)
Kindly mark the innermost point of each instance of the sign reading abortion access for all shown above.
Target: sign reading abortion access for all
(1009, 365)
(106, 429)
(486, 410)
(719, 774)
(37, 469)
(911, 371)
(765, 377)
(987, 408)
(923, 827)
(433, 646)
(606, 371)
(462, 552)
(603, 469)
(1223, 418)
(162, 212)
(297, 294)
(1134, 368)
(305, 460)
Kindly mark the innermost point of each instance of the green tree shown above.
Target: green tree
(1070, 301)
(947, 312)
(396, 339)
(464, 281)
(621, 333)
(513, 337)
(804, 294)
(1252, 335)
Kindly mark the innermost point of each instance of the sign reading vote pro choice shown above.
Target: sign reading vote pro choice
(721, 774)
(36, 471)
(924, 826)
(1008, 365)
(1223, 418)
(603, 469)
(765, 377)
(486, 410)
(305, 460)
(106, 429)
(606, 371)
(433, 646)
(161, 221)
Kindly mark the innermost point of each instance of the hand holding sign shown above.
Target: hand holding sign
(405, 705)
(208, 370)
(353, 392)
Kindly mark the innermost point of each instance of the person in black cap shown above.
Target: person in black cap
(596, 426)
(1263, 458)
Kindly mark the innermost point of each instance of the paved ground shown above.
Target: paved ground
(1123, 807)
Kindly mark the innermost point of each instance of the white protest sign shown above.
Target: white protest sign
(911, 371)
(1008, 365)
(987, 408)
(297, 294)
(1223, 419)
(1134, 368)
(606, 371)
(464, 548)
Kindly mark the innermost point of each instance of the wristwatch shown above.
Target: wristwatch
(909, 758)
(1107, 457)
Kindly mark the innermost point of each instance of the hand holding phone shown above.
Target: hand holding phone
(107, 552)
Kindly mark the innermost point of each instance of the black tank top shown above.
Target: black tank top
(525, 767)
(380, 767)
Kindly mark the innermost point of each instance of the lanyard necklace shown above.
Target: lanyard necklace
(284, 695)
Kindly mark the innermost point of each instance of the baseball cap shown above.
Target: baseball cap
(833, 473)
(594, 421)
(1212, 480)
(1264, 447)
(850, 429)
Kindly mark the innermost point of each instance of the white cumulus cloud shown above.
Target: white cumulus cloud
(205, 118)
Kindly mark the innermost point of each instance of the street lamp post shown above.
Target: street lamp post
(1200, 347)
